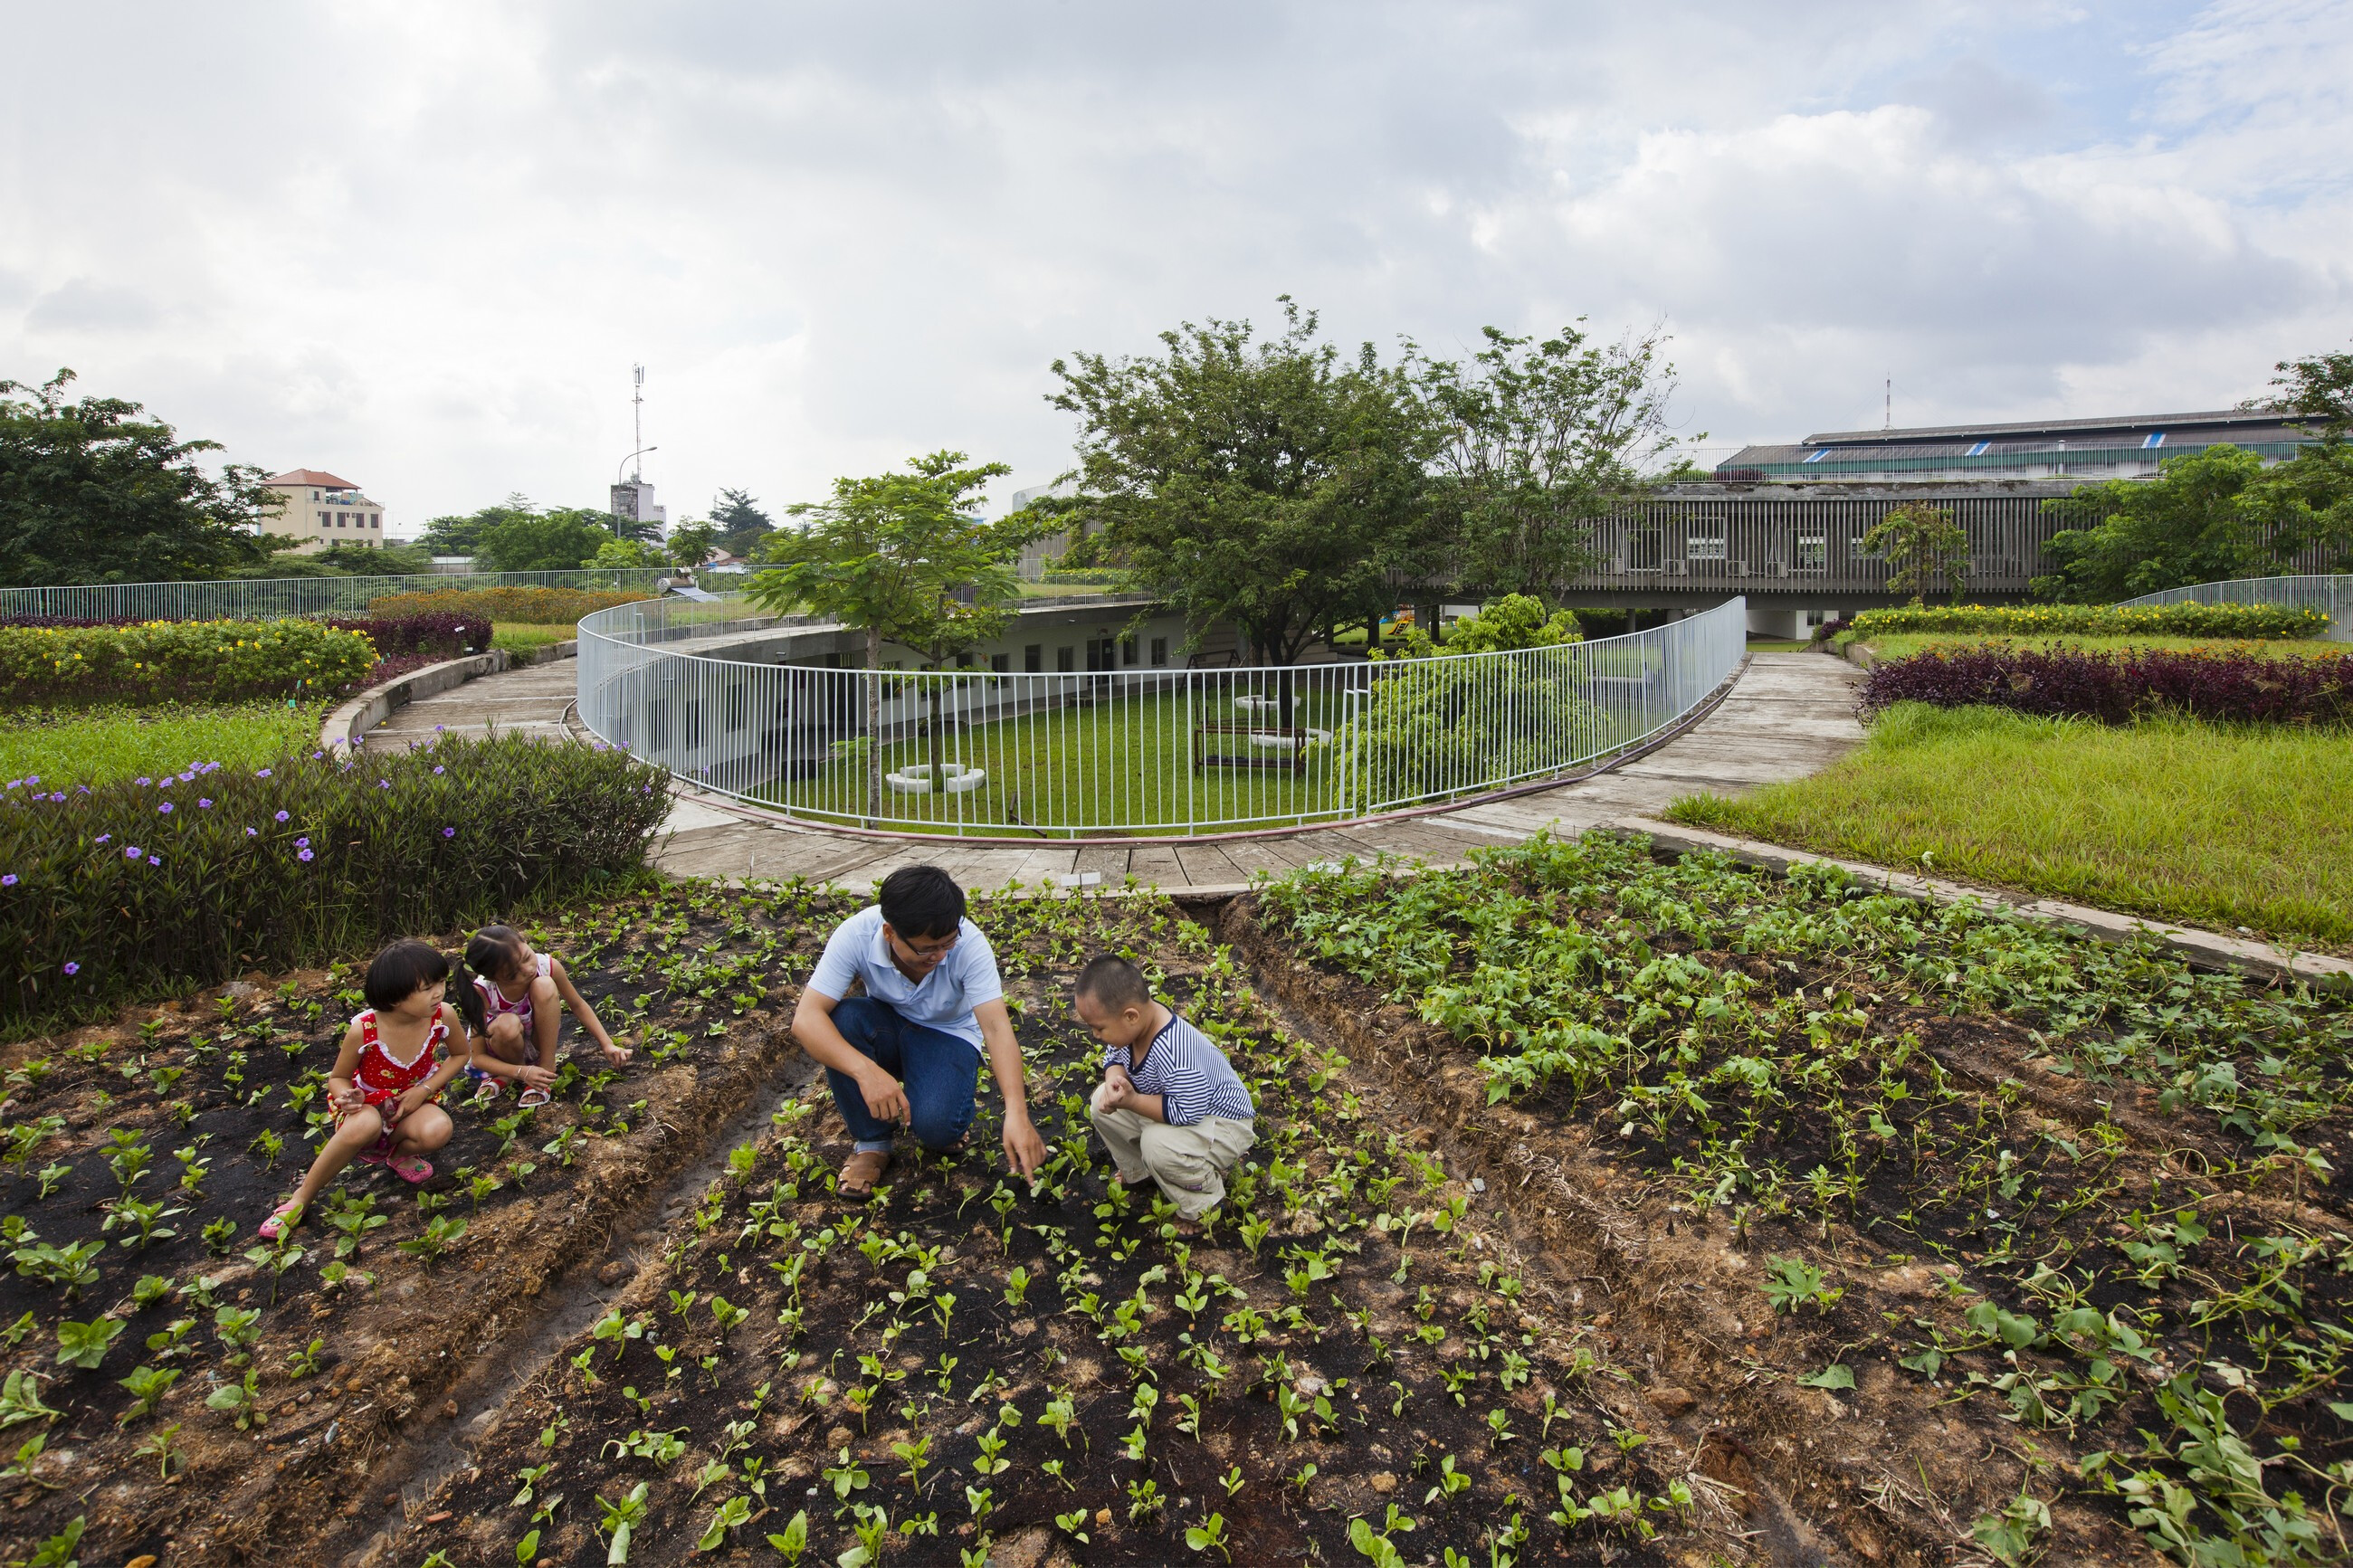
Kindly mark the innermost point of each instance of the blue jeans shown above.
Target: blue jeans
(938, 1070)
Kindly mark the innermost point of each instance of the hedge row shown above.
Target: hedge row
(2117, 687)
(112, 890)
(177, 661)
(538, 607)
(444, 636)
(2095, 620)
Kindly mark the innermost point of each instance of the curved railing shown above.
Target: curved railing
(280, 598)
(2331, 595)
(1132, 749)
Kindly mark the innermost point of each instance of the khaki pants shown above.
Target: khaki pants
(1189, 1162)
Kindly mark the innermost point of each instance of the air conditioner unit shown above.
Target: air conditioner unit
(1678, 568)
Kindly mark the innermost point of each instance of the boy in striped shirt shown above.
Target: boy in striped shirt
(1170, 1107)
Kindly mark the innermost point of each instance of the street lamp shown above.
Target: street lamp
(631, 457)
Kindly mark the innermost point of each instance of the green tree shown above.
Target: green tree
(90, 492)
(741, 523)
(689, 543)
(2307, 502)
(2192, 523)
(1924, 545)
(559, 540)
(462, 535)
(903, 558)
(1514, 621)
(1540, 439)
(1265, 482)
(626, 554)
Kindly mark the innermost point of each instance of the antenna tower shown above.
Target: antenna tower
(638, 423)
(1886, 419)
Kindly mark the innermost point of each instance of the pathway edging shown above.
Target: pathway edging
(354, 719)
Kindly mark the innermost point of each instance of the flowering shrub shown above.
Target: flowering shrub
(537, 606)
(2096, 620)
(446, 634)
(197, 876)
(176, 661)
(2116, 688)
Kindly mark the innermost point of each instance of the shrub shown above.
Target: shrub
(537, 606)
(2117, 687)
(195, 877)
(2096, 620)
(176, 661)
(1431, 726)
(446, 635)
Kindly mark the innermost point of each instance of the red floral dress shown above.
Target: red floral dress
(382, 1077)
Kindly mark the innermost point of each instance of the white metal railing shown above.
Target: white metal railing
(2331, 595)
(1130, 749)
(279, 598)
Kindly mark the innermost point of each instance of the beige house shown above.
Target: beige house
(317, 511)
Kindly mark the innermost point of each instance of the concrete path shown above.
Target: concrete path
(1790, 715)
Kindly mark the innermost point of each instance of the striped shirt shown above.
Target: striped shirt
(1191, 1075)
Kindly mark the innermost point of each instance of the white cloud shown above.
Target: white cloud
(421, 243)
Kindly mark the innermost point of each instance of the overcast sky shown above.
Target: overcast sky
(420, 244)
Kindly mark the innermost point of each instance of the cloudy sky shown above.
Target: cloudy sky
(421, 243)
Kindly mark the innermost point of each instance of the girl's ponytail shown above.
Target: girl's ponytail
(489, 955)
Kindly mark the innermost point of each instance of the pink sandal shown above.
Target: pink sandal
(413, 1169)
(282, 1218)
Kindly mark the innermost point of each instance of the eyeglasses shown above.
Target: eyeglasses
(928, 950)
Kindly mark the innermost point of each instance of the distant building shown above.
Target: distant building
(633, 501)
(316, 511)
(720, 561)
(2084, 450)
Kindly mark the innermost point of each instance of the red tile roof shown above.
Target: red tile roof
(313, 476)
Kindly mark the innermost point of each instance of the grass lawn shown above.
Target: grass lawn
(93, 747)
(516, 636)
(1896, 646)
(2212, 825)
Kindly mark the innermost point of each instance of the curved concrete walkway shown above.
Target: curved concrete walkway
(1789, 715)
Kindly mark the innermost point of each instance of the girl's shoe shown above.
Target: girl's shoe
(413, 1169)
(532, 1098)
(282, 1218)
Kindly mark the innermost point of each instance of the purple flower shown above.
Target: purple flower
(188, 777)
(301, 844)
(446, 833)
(32, 778)
(203, 805)
(165, 809)
(72, 968)
(249, 833)
(133, 853)
(146, 781)
(305, 855)
(440, 770)
(316, 755)
(262, 773)
(60, 795)
(104, 836)
(281, 816)
(154, 859)
(384, 784)
(9, 880)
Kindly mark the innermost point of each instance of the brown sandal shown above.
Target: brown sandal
(859, 1171)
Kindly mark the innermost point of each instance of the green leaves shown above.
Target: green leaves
(1837, 1374)
(1791, 1282)
(84, 1345)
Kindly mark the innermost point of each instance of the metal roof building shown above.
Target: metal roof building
(2078, 450)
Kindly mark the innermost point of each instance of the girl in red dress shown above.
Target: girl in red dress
(396, 1061)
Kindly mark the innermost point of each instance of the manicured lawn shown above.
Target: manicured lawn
(2214, 825)
(1896, 646)
(91, 747)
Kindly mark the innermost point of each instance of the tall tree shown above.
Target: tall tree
(903, 558)
(1541, 439)
(741, 523)
(2188, 524)
(462, 535)
(2307, 501)
(688, 544)
(560, 541)
(1265, 482)
(90, 492)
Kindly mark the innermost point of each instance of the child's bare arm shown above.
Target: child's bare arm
(341, 1088)
(618, 1055)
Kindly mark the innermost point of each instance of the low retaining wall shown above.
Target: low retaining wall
(349, 723)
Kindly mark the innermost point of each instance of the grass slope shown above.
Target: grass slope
(1899, 646)
(66, 749)
(2213, 825)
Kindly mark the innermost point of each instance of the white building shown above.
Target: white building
(315, 510)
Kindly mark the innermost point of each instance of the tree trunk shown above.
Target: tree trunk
(939, 779)
(874, 723)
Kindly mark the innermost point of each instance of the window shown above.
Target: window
(1033, 658)
(1704, 547)
(376, 520)
(1159, 653)
(1127, 651)
(326, 520)
(343, 520)
(1813, 552)
(1063, 661)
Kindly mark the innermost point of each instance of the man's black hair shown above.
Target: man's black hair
(400, 970)
(921, 902)
(1112, 982)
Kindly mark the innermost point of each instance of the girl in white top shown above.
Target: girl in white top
(513, 1000)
